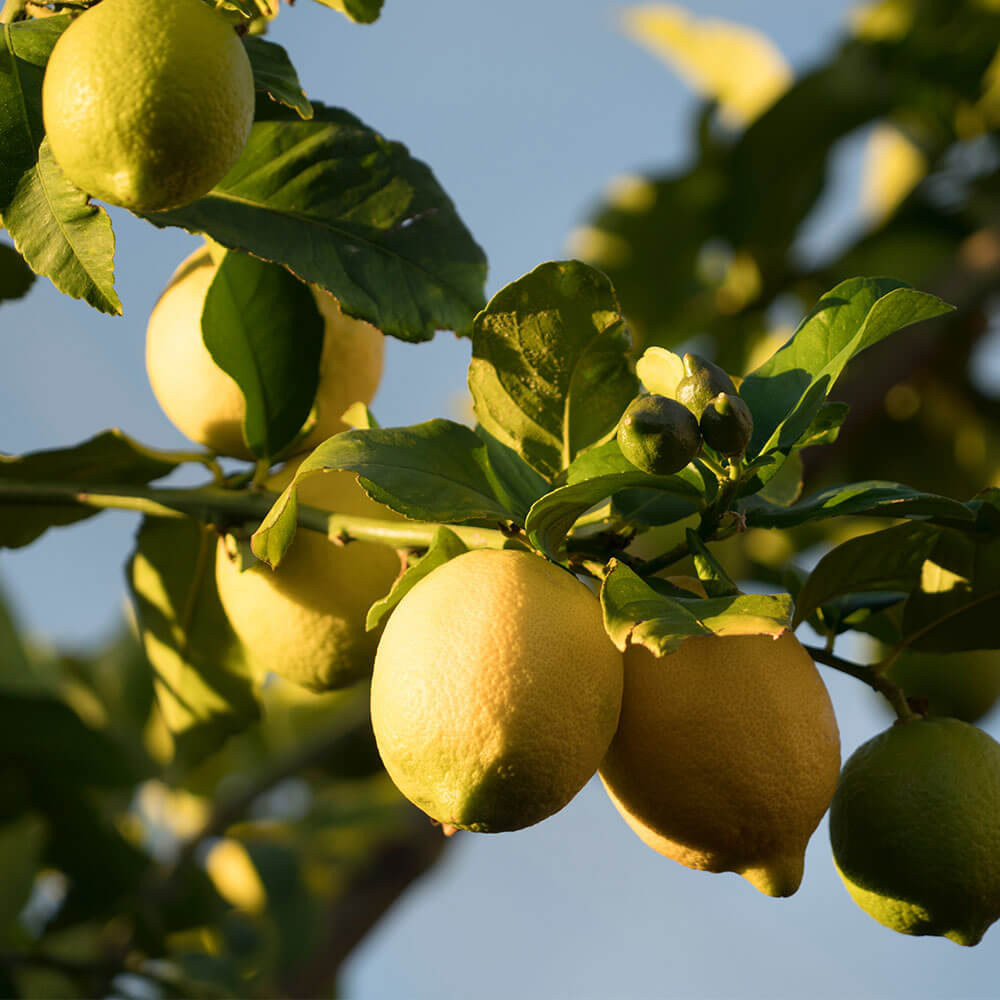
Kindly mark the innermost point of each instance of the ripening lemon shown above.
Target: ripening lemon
(148, 103)
(207, 405)
(496, 691)
(305, 620)
(915, 829)
(726, 755)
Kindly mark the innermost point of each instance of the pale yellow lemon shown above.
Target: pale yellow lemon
(305, 620)
(496, 691)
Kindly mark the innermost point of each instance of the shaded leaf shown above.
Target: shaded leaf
(346, 209)
(263, 328)
(883, 560)
(21, 844)
(446, 545)
(15, 275)
(201, 675)
(274, 74)
(635, 612)
(109, 457)
(713, 577)
(871, 499)
(549, 372)
(436, 471)
(516, 483)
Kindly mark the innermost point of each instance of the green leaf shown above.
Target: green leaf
(549, 372)
(871, 499)
(15, 275)
(853, 611)
(362, 11)
(17, 671)
(274, 74)
(882, 560)
(635, 612)
(446, 545)
(21, 846)
(62, 235)
(109, 457)
(346, 209)
(595, 476)
(201, 676)
(956, 604)
(516, 483)
(713, 577)
(787, 392)
(437, 471)
(785, 485)
(23, 55)
(825, 427)
(263, 328)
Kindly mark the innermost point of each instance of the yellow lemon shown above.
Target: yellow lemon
(207, 405)
(148, 103)
(305, 620)
(726, 755)
(915, 829)
(496, 691)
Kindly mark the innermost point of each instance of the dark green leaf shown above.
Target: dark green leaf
(346, 209)
(263, 328)
(883, 560)
(363, 11)
(956, 605)
(437, 471)
(201, 675)
(871, 499)
(15, 275)
(446, 545)
(274, 74)
(549, 372)
(62, 235)
(635, 612)
(110, 457)
(851, 611)
(787, 392)
(21, 845)
(23, 55)
(825, 428)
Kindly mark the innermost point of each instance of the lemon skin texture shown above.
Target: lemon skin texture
(496, 691)
(305, 620)
(726, 755)
(915, 829)
(148, 103)
(207, 406)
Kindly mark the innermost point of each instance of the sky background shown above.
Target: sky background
(525, 110)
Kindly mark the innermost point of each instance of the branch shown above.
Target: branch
(875, 681)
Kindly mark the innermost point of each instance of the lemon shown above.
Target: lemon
(305, 620)
(207, 405)
(959, 685)
(915, 829)
(726, 755)
(496, 691)
(148, 103)
(658, 435)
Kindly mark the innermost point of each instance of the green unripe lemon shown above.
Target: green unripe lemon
(915, 829)
(496, 691)
(727, 424)
(658, 435)
(148, 103)
(960, 685)
(702, 382)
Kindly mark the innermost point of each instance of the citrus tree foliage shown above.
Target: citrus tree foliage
(170, 813)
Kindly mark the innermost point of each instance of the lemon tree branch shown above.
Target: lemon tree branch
(892, 692)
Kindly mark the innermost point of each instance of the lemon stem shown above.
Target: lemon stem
(892, 692)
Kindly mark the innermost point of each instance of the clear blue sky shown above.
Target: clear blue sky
(525, 110)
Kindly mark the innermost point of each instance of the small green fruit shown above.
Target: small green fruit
(702, 382)
(727, 424)
(658, 435)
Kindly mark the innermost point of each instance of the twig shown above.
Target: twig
(875, 681)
